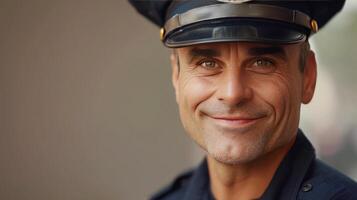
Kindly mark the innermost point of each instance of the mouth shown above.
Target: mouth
(238, 123)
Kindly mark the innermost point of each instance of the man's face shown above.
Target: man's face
(239, 101)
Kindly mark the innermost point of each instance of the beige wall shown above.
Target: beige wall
(87, 108)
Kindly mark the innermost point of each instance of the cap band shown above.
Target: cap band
(218, 11)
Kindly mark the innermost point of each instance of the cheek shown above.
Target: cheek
(280, 96)
(280, 93)
(192, 92)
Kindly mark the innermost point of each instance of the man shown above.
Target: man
(241, 70)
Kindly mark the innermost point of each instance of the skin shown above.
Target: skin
(241, 103)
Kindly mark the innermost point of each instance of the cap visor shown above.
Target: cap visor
(235, 30)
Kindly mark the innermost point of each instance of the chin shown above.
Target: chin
(230, 161)
(233, 159)
(235, 154)
(235, 151)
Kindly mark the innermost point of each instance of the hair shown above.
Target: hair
(304, 52)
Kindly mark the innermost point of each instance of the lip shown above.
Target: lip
(235, 122)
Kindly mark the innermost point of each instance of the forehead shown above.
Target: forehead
(226, 47)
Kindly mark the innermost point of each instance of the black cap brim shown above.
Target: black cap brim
(235, 30)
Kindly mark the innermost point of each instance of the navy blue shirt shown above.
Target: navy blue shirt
(299, 176)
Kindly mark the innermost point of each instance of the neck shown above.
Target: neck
(245, 181)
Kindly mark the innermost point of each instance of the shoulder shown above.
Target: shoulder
(324, 182)
(176, 189)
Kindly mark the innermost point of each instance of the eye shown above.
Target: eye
(208, 64)
(262, 65)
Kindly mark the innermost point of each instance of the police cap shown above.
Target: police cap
(189, 22)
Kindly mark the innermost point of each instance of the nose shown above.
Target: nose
(233, 88)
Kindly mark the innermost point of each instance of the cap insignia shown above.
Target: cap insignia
(314, 25)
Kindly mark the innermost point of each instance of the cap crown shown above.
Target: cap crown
(185, 21)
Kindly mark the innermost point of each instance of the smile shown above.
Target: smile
(238, 123)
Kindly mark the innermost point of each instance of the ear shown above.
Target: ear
(175, 74)
(310, 74)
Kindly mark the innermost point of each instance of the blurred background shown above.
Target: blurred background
(87, 109)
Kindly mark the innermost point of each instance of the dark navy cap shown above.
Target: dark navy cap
(189, 22)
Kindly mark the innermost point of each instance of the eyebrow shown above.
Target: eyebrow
(208, 53)
(271, 50)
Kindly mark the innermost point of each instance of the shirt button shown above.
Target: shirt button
(307, 187)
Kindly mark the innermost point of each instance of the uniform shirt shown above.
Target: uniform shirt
(299, 176)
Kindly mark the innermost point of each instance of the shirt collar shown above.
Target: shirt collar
(199, 185)
(291, 171)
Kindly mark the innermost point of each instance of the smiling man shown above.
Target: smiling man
(241, 70)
